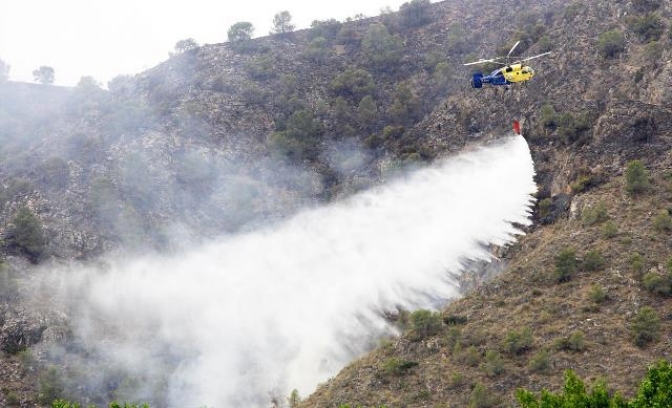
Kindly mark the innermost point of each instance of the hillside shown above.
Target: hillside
(231, 136)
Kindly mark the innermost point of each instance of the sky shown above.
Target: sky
(106, 38)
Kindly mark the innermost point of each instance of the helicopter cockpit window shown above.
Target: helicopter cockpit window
(509, 69)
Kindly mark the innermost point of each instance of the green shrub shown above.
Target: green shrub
(396, 367)
(415, 13)
(367, 112)
(595, 214)
(481, 398)
(580, 184)
(609, 229)
(317, 51)
(636, 177)
(457, 40)
(593, 261)
(646, 5)
(406, 108)
(663, 222)
(294, 399)
(597, 294)
(611, 43)
(328, 29)
(25, 234)
(637, 263)
(545, 206)
(425, 323)
(652, 53)
(648, 27)
(657, 283)
(261, 67)
(353, 84)
(469, 356)
(566, 265)
(240, 35)
(382, 49)
(493, 364)
(518, 341)
(574, 395)
(574, 342)
(50, 386)
(540, 362)
(645, 326)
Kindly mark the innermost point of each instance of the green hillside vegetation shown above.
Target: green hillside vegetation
(588, 288)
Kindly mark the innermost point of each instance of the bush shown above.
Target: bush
(25, 234)
(367, 112)
(609, 229)
(646, 5)
(493, 364)
(317, 51)
(636, 177)
(261, 67)
(425, 323)
(353, 84)
(540, 362)
(415, 13)
(518, 341)
(645, 327)
(597, 294)
(328, 29)
(637, 263)
(658, 284)
(382, 49)
(469, 356)
(50, 386)
(566, 265)
(593, 261)
(663, 222)
(240, 35)
(648, 27)
(397, 367)
(481, 397)
(574, 395)
(406, 107)
(611, 43)
(574, 342)
(652, 53)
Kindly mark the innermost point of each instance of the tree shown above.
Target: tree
(646, 326)
(240, 32)
(185, 45)
(367, 112)
(415, 13)
(282, 23)
(636, 177)
(611, 43)
(294, 399)
(382, 49)
(566, 265)
(328, 29)
(88, 82)
(44, 75)
(120, 84)
(26, 235)
(4, 70)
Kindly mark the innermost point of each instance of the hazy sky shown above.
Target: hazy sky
(105, 38)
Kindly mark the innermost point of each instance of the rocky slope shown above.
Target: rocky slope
(230, 136)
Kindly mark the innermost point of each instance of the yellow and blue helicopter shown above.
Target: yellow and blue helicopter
(509, 73)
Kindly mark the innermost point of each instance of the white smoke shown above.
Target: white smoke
(287, 307)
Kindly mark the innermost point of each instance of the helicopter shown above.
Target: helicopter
(511, 72)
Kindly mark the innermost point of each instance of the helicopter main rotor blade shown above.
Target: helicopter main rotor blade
(512, 48)
(536, 56)
(483, 61)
